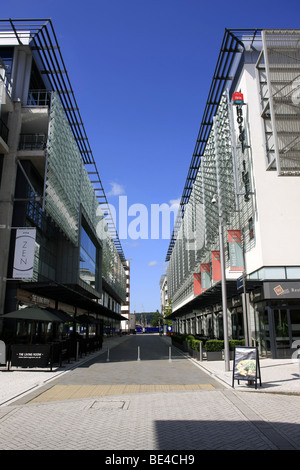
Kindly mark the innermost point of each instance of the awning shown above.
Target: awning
(33, 313)
(86, 320)
(62, 316)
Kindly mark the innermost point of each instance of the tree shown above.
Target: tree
(157, 317)
(167, 310)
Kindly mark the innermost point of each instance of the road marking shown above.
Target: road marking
(71, 392)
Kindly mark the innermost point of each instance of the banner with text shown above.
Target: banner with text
(24, 253)
(205, 276)
(197, 283)
(235, 250)
(216, 266)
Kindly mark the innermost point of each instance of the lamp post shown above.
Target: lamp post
(224, 296)
(224, 289)
(222, 257)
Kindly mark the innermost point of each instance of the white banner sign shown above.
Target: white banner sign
(24, 253)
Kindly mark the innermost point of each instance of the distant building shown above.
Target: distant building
(127, 326)
(163, 292)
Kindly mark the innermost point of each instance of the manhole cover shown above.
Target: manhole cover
(108, 405)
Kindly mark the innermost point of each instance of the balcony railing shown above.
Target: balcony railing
(39, 98)
(32, 142)
(3, 131)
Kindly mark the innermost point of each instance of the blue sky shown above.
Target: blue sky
(141, 72)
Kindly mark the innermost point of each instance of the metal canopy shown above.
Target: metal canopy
(71, 295)
(43, 42)
(232, 45)
(213, 296)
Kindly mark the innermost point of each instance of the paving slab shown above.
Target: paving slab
(146, 403)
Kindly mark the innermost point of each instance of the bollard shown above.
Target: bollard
(170, 354)
(138, 354)
(200, 351)
(107, 359)
(77, 350)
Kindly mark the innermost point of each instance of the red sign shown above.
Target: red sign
(235, 250)
(238, 97)
(234, 236)
(197, 283)
(216, 265)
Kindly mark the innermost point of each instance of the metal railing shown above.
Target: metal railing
(39, 98)
(32, 142)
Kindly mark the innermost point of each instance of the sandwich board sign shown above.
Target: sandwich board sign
(246, 365)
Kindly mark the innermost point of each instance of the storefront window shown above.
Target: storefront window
(295, 323)
(282, 340)
(237, 323)
(262, 329)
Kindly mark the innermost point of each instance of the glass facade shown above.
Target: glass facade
(45, 256)
(220, 175)
(68, 189)
(62, 196)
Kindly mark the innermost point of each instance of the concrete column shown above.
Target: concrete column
(7, 190)
(22, 76)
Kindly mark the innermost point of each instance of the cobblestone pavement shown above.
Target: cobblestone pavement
(153, 404)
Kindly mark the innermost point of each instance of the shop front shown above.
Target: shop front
(277, 318)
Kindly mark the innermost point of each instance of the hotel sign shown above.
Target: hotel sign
(238, 98)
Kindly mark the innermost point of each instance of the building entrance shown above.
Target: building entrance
(279, 330)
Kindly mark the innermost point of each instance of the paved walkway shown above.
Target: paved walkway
(135, 395)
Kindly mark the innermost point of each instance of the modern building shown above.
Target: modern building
(58, 243)
(240, 203)
(163, 293)
(128, 325)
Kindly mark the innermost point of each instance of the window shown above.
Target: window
(6, 56)
(88, 259)
(1, 166)
(251, 228)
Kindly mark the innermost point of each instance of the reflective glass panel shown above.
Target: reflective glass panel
(88, 252)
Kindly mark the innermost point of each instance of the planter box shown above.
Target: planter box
(214, 355)
(195, 354)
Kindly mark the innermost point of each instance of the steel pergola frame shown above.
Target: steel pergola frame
(41, 37)
(232, 45)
